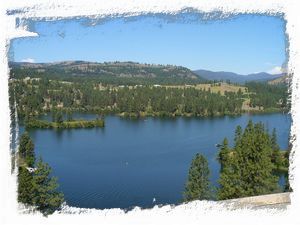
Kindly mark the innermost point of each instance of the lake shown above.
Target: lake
(138, 162)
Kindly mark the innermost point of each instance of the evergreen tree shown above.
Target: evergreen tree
(45, 194)
(26, 150)
(37, 188)
(224, 153)
(238, 134)
(30, 156)
(23, 143)
(198, 186)
(25, 186)
(250, 170)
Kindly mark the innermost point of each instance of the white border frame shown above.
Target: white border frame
(192, 213)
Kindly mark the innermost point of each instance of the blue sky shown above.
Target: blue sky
(243, 44)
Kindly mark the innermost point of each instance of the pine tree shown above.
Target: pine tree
(29, 155)
(25, 186)
(250, 170)
(45, 194)
(23, 142)
(224, 154)
(37, 188)
(26, 150)
(238, 134)
(255, 158)
(198, 185)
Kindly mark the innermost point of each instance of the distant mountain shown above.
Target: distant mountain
(236, 78)
(137, 71)
(107, 69)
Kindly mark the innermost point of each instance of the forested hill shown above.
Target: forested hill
(236, 78)
(280, 80)
(110, 71)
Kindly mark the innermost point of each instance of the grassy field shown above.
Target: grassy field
(215, 88)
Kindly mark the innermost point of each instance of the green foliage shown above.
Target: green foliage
(25, 186)
(146, 100)
(277, 158)
(65, 125)
(224, 156)
(138, 92)
(25, 138)
(268, 96)
(248, 169)
(287, 187)
(238, 134)
(30, 156)
(69, 116)
(26, 149)
(59, 117)
(36, 188)
(46, 197)
(198, 185)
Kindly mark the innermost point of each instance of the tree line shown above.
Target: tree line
(268, 95)
(251, 167)
(44, 96)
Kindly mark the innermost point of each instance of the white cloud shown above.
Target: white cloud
(277, 70)
(29, 60)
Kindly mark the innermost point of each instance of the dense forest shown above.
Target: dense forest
(36, 96)
(268, 95)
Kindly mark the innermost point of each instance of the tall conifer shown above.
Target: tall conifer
(250, 170)
(198, 186)
(46, 197)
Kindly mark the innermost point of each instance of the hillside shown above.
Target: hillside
(279, 80)
(72, 69)
(236, 78)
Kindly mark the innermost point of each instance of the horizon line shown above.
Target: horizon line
(103, 62)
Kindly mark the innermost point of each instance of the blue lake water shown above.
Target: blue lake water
(130, 162)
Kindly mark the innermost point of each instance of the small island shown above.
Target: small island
(62, 120)
(65, 124)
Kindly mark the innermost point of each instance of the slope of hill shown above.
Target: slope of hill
(109, 69)
(236, 78)
(280, 80)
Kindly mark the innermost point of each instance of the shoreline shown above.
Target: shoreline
(164, 114)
